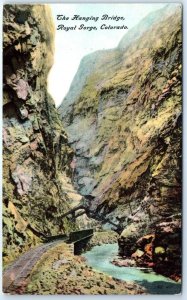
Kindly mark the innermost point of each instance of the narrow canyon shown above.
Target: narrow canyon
(108, 159)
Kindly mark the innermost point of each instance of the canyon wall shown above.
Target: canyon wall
(123, 119)
(37, 187)
(123, 149)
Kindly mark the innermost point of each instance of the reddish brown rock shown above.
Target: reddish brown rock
(168, 239)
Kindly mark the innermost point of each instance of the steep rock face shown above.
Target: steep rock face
(146, 24)
(36, 181)
(125, 127)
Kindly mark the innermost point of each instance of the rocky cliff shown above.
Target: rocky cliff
(37, 174)
(123, 119)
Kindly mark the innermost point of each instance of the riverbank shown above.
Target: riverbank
(60, 272)
(102, 237)
(100, 258)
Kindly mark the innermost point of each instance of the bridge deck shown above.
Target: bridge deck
(81, 239)
(73, 236)
(62, 237)
(76, 236)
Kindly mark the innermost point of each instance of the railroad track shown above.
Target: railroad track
(15, 277)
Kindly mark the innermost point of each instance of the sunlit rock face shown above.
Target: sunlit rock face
(123, 119)
(37, 185)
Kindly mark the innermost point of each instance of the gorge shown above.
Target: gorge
(113, 146)
(126, 104)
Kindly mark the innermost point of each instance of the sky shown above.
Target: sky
(72, 45)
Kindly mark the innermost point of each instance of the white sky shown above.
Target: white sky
(71, 46)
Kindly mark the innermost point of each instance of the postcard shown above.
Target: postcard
(92, 134)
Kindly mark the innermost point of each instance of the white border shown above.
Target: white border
(148, 297)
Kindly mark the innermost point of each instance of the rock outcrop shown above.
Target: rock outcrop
(167, 248)
(37, 185)
(123, 119)
(160, 250)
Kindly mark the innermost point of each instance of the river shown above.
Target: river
(99, 258)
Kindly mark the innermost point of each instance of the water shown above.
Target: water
(99, 258)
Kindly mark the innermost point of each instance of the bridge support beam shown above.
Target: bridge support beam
(80, 246)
